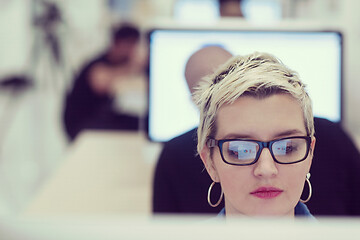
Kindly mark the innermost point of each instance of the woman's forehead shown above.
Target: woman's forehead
(266, 117)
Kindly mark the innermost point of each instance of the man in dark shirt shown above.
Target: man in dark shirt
(89, 105)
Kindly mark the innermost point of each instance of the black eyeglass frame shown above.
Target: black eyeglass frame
(211, 143)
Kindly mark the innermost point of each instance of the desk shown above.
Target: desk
(103, 173)
(179, 228)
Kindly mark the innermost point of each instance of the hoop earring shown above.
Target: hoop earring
(310, 188)
(209, 194)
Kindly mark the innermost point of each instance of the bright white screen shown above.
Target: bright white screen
(316, 56)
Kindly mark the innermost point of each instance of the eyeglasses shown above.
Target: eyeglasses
(247, 152)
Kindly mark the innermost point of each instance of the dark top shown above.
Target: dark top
(85, 109)
(181, 182)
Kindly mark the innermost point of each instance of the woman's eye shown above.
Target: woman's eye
(233, 153)
(290, 149)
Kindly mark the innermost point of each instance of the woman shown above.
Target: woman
(256, 136)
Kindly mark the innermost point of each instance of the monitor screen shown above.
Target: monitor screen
(315, 55)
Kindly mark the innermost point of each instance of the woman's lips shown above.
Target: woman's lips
(266, 192)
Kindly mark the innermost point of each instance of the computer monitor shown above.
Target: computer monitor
(315, 55)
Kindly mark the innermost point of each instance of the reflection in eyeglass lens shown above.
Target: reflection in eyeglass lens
(241, 150)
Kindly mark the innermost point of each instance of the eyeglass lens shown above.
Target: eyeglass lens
(245, 152)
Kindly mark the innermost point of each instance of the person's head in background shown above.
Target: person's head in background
(230, 8)
(249, 100)
(124, 42)
(204, 62)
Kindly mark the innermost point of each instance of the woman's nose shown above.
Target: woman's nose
(265, 166)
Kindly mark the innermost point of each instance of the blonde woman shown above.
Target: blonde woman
(256, 136)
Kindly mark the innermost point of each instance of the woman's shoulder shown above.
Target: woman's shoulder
(301, 211)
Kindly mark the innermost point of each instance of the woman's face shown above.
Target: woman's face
(267, 119)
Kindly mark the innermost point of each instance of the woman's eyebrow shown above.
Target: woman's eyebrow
(277, 135)
(238, 136)
(289, 133)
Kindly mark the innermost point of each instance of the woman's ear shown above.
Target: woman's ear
(312, 145)
(312, 148)
(205, 156)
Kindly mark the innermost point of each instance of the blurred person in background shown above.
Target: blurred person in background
(230, 8)
(93, 102)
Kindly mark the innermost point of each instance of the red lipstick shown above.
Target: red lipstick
(266, 192)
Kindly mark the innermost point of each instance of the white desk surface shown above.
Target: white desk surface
(179, 228)
(102, 190)
(103, 173)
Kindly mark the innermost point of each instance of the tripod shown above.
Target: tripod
(47, 63)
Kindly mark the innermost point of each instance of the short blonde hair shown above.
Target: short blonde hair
(259, 75)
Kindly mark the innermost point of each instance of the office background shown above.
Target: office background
(32, 139)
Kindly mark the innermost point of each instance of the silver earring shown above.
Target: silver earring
(209, 194)
(310, 188)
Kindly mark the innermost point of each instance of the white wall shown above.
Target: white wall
(350, 20)
(14, 35)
